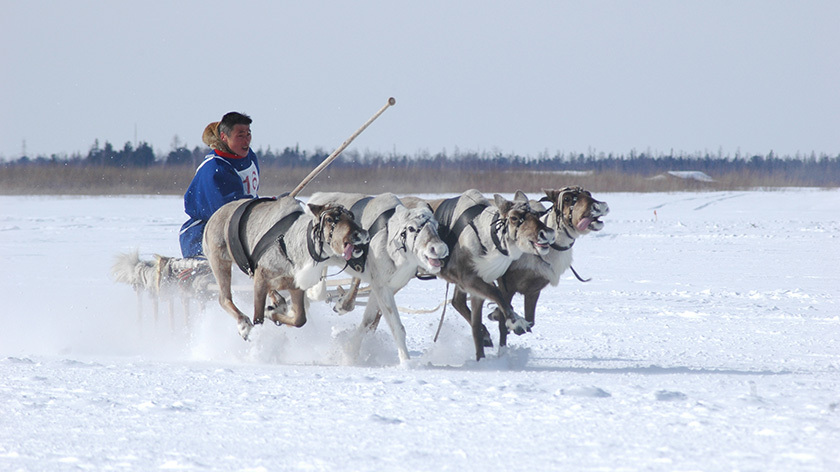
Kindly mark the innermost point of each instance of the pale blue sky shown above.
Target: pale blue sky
(513, 77)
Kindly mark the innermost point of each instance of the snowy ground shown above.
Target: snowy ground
(708, 339)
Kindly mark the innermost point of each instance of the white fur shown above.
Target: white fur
(392, 259)
(164, 278)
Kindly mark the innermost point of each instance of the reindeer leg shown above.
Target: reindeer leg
(347, 302)
(185, 302)
(514, 322)
(459, 302)
(375, 325)
(481, 337)
(172, 313)
(298, 317)
(221, 270)
(154, 297)
(278, 306)
(370, 318)
(261, 280)
(296, 314)
(490, 292)
(531, 299)
(368, 325)
(476, 308)
(139, 293)
(499, 314)
(388, 306)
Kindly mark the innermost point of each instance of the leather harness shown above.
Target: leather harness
(450, 232)
(248, 260)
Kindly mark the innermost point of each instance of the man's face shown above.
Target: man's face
(239, 140)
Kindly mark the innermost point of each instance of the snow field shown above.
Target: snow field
(708, 339)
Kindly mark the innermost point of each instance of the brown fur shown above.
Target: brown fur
(473, 272)
(529, 275)
(213, 139)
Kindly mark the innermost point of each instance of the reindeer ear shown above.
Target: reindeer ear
(502, 204)
(553, 195)
(316, 209)
(400, 210)
(520, 196)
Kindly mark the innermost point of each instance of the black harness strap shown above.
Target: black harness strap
(245, 259)
(315, 254)
(450, 234)
(274, 235)
(559, 216)
(494, 234)
(237, 236)
(557, 247)
(560, 248)
(381, 222)
(466, 219)
(359, 207)
(443, 215)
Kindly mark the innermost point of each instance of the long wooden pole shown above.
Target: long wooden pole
(335, 153)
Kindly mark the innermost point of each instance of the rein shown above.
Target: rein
(560, 248)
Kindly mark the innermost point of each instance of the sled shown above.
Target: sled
(335, 289)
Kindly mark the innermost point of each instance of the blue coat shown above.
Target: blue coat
(220, 179)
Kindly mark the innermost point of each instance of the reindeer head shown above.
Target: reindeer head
(575, 209)
(338, 231)
(522, 226)
(418, 235)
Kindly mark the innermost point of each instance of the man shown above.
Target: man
(229, 172)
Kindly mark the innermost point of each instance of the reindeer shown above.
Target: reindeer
(401, 241)
(283, 246)
(484, 239)
(573, 213)
(164, 278)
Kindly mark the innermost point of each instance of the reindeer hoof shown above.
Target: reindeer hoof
(346, 303)
(245, 326)
(276, 311)
(341, 309)
(496, 315)
(271, 315)
(487, 341)
(518, 325)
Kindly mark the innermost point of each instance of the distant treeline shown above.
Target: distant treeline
(812, 170)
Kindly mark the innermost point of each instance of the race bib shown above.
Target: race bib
(250, 180)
